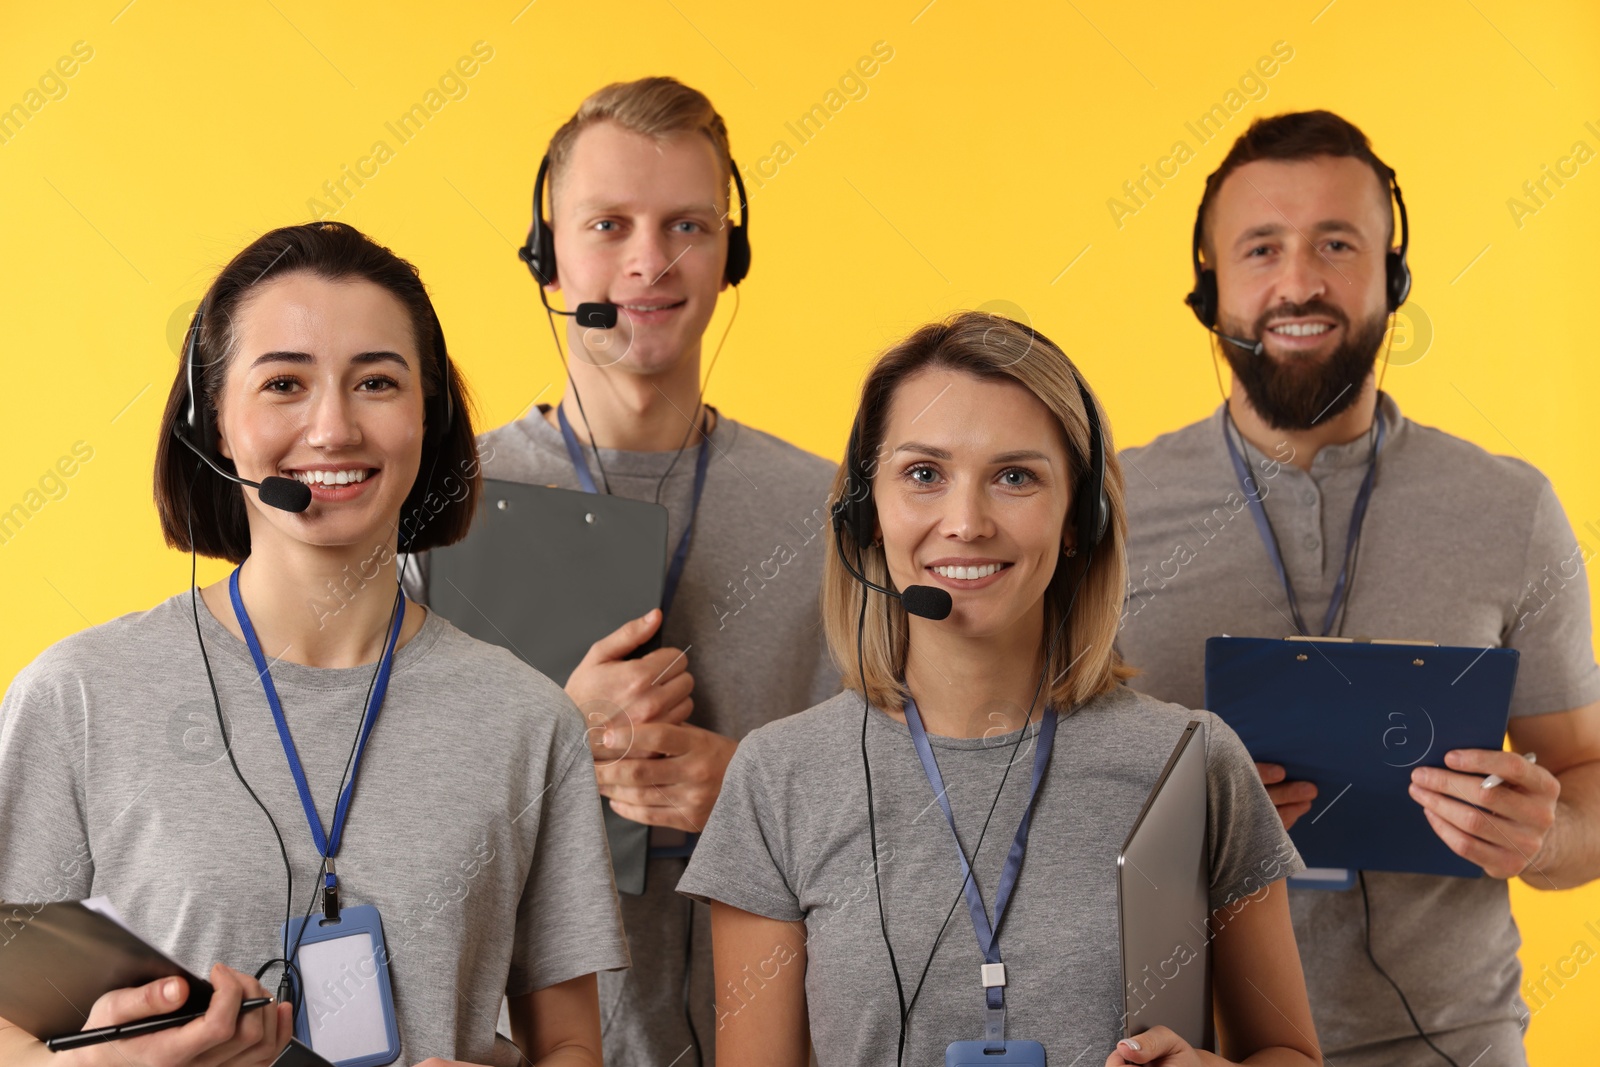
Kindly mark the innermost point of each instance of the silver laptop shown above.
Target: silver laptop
(1163, 896)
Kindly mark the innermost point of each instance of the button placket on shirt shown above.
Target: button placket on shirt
(1301, 541)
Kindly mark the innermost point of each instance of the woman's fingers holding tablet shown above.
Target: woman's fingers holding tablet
(219, 1037)
(138, 1002)
(160, 997)
(279, 1019)
(229, 1038)
(1159, 1046)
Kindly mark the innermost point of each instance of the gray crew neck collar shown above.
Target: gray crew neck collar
(623, 461)
(221, 644)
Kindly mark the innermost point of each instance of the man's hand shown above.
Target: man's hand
(671, 776)
(1292, 799)
(613, 691)
(1506, 837)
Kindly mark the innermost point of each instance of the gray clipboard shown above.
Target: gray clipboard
(1163, 900)
(546, 573)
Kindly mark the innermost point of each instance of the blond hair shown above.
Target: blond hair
(1085, 662)
(652, 107)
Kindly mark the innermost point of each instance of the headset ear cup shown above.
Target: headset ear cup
(1095, 518)
(738, 255)
(1397, 276)
(1092, 521)
(544, 253)
(739, 236)
(1203, 299)
(854, 510)
(440, 410)
(197, 425)
(539, 252)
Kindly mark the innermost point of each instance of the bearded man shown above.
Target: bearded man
(1308, 504)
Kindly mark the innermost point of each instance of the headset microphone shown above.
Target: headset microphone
(285, 494)
(596, 316)
(923, 601)
(538, 253)
(1253, 347)
(854, 511)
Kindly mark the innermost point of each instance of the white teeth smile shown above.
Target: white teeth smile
(968, 573)
(330, 477)
(1299, 329)
(649, 307)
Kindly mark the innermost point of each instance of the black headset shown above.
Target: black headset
(856, 512)
(1202, 300)
(196, 426)
(539, 251)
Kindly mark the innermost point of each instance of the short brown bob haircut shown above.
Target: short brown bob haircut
(996, 349)
(444, 498)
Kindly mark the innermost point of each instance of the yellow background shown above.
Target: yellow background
(976, 168)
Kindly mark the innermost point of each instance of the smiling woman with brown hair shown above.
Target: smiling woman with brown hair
(972, 471)
(450, 782)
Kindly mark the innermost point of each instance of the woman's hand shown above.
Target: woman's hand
(1159, 1046)
(221, 1037)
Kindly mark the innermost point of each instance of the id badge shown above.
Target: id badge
(973, 1054)
(346, 1012)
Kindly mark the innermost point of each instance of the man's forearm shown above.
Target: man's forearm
(1571, 853)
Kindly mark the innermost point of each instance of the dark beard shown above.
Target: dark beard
(1299, 392)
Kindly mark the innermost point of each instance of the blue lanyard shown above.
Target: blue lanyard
(680, 555)
(327, 844)
(988, 933)
(1258, 511)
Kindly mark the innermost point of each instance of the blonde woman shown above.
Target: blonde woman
(842, 916)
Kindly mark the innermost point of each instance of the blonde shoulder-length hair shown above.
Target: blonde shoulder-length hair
(1085, 662)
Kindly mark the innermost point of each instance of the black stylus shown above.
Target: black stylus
(102, 1034)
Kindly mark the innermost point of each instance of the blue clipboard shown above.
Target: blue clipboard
(1355, 718)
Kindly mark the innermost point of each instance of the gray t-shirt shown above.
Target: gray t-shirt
(474, 827)
(789, 840)
(747, 613)
(1459, 547)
